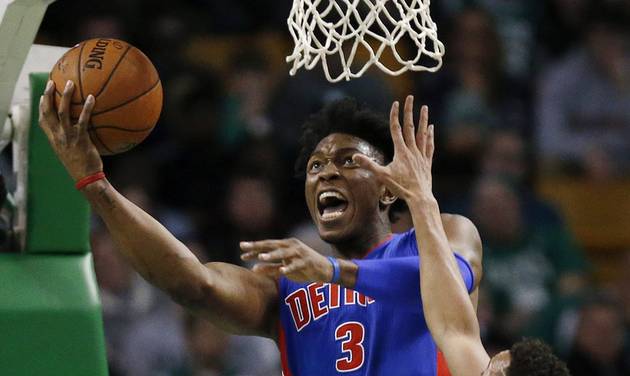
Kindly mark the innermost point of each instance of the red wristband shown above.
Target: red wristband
(89, 180)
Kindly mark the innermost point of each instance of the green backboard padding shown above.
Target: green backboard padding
(57, 214)
(50, 317)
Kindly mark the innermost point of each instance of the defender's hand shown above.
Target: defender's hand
(288, 257)
(71, 142)
(409, 174)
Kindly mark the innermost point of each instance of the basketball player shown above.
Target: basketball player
(369, 321)
(448, 311)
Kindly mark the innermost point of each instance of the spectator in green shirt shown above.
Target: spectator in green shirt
(527, 266)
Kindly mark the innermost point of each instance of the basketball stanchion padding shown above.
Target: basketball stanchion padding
(58, 217)
(50, 316)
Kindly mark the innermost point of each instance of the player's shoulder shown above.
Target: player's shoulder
(458, 225)
(463, 236)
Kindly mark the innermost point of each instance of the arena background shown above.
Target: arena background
(532, 114)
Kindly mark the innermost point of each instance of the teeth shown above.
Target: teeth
(327, 194)
(332, 215)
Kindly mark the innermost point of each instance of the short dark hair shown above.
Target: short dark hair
(344, 116)
(533, 357)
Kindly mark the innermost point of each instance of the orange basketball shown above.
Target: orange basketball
(125, 84)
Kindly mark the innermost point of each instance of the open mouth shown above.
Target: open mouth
(331, 205)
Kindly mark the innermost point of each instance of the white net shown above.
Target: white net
(333, 31)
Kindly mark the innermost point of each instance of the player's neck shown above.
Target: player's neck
(360, 246)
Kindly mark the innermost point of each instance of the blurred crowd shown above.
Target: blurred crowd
(532, 113)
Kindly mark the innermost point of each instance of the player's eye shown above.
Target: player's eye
(315, 166)
(348, 162)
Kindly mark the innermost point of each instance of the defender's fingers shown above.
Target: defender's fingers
(86, 113)
(277, 255)
(421, 135)
(64, 106)
(394, 127)
(408, 129)
(272, 270)
(368, 164)
(430, 143)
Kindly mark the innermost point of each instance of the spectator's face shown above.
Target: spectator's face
(251, 83)
(609, 48)
(112, 272)
(497, 211)
(475, 38)
(600, 332)
(505, 157)
(342, 198)
(139, 197)
(251, 206)
(99, 26)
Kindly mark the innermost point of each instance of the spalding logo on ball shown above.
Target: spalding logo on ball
(126, 87)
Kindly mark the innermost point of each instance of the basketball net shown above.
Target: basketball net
(331, 31)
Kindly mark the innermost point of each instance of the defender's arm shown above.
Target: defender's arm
(448, 310)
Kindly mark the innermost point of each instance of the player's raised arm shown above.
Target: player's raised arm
(448, 310)
(232, 297)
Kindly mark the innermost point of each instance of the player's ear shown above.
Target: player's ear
(387, 198)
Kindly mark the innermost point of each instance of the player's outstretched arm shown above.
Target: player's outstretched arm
(389, 281)
(448, 311)
(234, 298)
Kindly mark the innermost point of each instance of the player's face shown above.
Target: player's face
(342, 198)
(498, 364)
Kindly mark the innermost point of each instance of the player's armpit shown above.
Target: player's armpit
(237, 300)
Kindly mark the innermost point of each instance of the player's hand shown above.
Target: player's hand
(69, 139)
(288, 257)
(409, 174)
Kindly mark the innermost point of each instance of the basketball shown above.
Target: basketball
(126, 87)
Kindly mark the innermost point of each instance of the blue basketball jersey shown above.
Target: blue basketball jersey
(326, 329)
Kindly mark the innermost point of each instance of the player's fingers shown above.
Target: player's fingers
(247, 256)
(294, 266)
(262, 246)
(43, 123)
(272, 270)
(86, 113)
(277, 255)
(64, 106)
(408, 128)
(422, 134)
(430, 143)
(394, 126)
(364, 162)
(47, 117)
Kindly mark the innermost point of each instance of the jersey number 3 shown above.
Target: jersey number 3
(351, 335)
